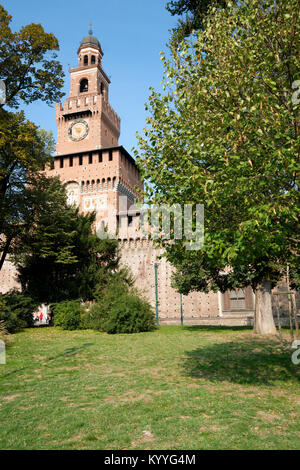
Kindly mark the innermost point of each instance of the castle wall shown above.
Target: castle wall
(8, 277)
(140, 256)
(198, 308)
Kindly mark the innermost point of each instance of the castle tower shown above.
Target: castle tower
(87, 121)
(95, 169)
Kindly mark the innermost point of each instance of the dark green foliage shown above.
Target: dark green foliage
(30, 71)
(16, 311)
(59, 255)
(24, 149)
(92, 318)
(28, 63)
(68, 314)
(194, 11)
(121, 310)
(130, 314)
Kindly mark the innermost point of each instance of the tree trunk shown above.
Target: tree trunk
(263, 316)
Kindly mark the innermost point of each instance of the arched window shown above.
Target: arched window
(85, 60)
(93, 59)
(84, 85)
(102, 89)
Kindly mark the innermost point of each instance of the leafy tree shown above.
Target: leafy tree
(16, 311)
(225, 133)
(30, 72)
(58, 254)
(24, 149)
(28, 63)
(68, 314)
(195, 12)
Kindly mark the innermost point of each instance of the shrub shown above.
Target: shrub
(92, 318)
(131, 314)
(121, 311)
(16, 311)
(67, 314)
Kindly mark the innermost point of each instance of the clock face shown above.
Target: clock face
(78, 130)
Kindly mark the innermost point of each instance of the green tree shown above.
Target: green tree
(30, 72)
(28, 64)
(195, 12)
(58, 254)
(225, 133)
(24, 150)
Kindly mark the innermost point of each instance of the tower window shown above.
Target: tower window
(71, 161)
(85, 60)
(84, 85)
(61, 162)
(93, 59)
(100, 157)
(80, 159)
(101, 88)
(110, 156)
(90, 158)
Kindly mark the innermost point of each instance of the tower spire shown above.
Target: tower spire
(90, 30)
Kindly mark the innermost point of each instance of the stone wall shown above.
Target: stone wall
(140, 256)
(8, 277)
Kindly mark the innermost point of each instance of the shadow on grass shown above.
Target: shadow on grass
(69, 352)
(211, 329)
(251, 362)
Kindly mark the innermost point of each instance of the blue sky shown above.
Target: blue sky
(131, 32)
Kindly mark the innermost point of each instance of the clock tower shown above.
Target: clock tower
(89, 160)
(87, 121)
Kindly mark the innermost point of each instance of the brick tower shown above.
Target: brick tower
(95, 169)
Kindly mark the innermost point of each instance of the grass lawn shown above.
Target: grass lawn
(188, 388)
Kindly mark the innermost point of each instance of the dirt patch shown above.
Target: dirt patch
(268, 417)
(211, 428)
(10, 398)
(69, 368)
(77, 438)
(132, 397)
(146, 437)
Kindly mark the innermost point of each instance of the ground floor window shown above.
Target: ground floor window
(238, 299)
